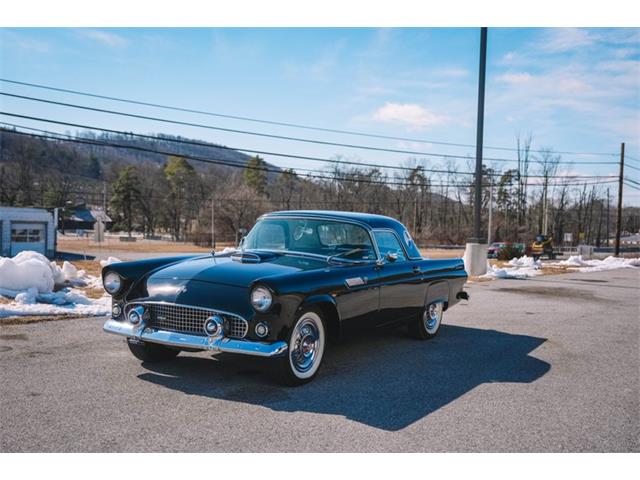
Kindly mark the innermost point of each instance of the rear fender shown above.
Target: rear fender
(438, 292)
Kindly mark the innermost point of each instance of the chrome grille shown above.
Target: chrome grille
(185, 319)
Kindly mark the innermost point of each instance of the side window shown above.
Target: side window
(388, 242)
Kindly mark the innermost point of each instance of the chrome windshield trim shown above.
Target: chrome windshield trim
(335, 219)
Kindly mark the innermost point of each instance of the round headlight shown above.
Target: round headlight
(261, 299)
(112, 282)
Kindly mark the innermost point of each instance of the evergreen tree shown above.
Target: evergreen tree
(255, 175)
(126, 195)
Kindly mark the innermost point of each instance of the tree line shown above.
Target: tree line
(159, 194)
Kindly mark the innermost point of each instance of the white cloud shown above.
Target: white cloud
(415, 116)
(516, 78)
(106, 38)
(566, 39)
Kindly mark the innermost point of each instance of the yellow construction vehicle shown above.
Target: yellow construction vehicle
(542, 245)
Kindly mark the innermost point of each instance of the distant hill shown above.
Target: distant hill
(91, 160)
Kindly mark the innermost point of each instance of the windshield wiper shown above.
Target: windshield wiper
(330, 258)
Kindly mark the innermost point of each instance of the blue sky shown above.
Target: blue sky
(573, 89)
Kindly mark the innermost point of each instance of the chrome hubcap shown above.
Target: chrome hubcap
(305, 345)
(432, 315)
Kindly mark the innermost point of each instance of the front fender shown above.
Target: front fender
(131, 272)
(318, 300)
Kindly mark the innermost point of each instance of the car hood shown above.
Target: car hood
(225, 271)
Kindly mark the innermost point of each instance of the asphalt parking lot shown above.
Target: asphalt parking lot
(546, 364)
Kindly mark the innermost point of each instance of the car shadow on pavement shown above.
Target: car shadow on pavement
(383, 379)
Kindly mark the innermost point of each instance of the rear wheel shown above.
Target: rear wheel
(151, 352)
(306, 349)
(427, 325)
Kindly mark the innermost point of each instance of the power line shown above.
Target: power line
(209, 145)
(278, 123)
(631, 185)
(242, 165)
(631, 180)
(248, 132)
(225, 162)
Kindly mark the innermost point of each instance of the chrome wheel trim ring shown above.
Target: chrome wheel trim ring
(306, 347)
(431, 317)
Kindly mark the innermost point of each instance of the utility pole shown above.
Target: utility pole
(619, 220)
(475, 255)
(213, 222)
(490, 211)
(544, 210)
(608, 203)
(480, 135)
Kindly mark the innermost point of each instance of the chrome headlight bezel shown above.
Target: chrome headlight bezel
(112, 283)
(261, 298)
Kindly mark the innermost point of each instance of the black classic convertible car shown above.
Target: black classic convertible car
(298, 279)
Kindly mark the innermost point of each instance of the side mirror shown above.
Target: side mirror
(391, 257)
(241, 244)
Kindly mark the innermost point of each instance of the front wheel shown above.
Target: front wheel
(151, 352)
(427, 325)
(306, 343)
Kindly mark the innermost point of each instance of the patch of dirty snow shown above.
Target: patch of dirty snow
(609, 263)
(109, 261)
(523, 267)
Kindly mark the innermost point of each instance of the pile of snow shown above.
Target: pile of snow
(609, 263)
(41, 287)
(523, 267)
(109, 261)
(30, 269)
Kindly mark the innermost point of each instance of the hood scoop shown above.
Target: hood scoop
(250, 257)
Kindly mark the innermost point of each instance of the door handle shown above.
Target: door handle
(416, 269)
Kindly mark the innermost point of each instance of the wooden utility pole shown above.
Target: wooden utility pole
(213, 222)
(608, 230)
(489, 226)
(619, 220)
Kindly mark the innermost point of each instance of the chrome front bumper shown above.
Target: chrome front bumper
(184, 340)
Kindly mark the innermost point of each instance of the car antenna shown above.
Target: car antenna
(213, 254)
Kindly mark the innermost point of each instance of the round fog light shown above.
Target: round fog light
(116, 310)
(262, 329)
(213, 325)
(135, 315)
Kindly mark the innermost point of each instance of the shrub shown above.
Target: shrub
(509, 251)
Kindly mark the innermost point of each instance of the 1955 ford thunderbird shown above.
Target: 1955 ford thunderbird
(297, 279)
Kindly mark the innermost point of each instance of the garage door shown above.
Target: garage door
(28, 236)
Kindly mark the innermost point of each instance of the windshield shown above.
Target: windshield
(314, 236)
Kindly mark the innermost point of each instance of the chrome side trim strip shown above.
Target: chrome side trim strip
(184, 340)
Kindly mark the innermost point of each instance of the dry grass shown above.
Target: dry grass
(442, 252)
(86, 245)
(92, 267)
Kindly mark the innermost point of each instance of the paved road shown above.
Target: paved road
(547, 364)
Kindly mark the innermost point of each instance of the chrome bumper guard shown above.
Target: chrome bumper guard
(184, 340)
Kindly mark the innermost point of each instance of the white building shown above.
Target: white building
(27, 229)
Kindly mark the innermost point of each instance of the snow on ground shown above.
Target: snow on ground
(523, 267)
(40, 287)
(609, 263)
